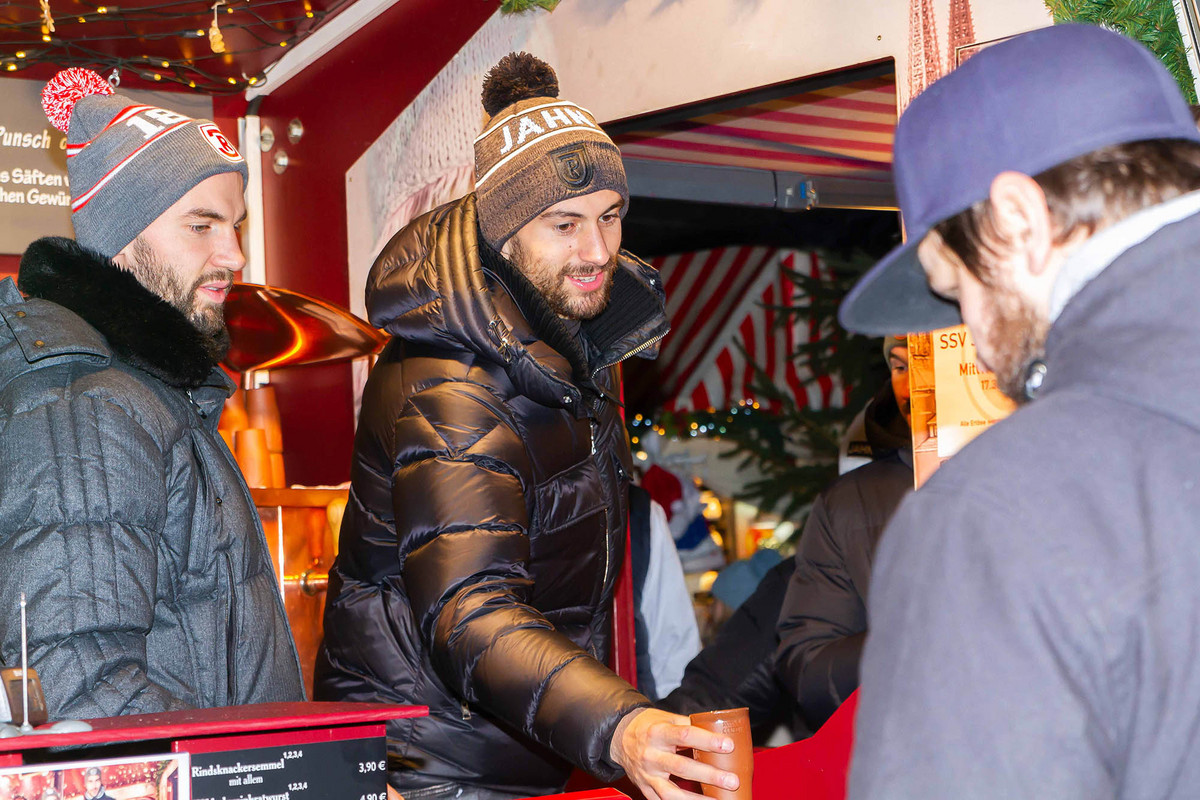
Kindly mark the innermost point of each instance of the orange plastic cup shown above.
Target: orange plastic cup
(734, 723)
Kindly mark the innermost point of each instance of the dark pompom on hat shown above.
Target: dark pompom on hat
(517, 76)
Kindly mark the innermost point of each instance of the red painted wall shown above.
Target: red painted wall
(345, 101)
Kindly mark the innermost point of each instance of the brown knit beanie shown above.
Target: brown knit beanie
(536, 150)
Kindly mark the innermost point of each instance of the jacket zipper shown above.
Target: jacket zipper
(607, 553)
(630, 354)
(231, 636)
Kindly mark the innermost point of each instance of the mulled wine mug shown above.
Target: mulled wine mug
(734, 723)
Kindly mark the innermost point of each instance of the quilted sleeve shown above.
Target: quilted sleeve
(81, 512)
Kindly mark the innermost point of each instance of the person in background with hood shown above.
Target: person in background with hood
(823, 613)
(823, 621)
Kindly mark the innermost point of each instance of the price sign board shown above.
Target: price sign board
(337, 764)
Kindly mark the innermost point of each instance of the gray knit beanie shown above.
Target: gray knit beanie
(536, 150)
(128, 163)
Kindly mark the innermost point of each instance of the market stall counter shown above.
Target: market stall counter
(268, 751)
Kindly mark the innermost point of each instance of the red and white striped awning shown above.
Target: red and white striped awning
(720, 299)
(840, 131)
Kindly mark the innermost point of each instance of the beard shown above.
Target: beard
(153, 272)
(1016, 338)
(550, 280)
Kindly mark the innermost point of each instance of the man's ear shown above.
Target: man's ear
(1022, 218)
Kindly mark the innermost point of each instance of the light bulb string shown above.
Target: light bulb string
(255, 34)
(47, 17)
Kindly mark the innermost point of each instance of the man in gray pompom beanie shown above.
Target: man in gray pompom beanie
(123, 516)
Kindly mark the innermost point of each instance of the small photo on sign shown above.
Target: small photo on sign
(162, 777)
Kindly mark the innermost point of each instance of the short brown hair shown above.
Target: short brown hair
(1089, 192)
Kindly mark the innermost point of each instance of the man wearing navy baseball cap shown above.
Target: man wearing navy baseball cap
(1035, 611)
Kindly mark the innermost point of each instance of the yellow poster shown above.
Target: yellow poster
(952, 401)
(967, 399)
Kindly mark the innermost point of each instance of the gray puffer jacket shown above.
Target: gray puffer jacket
(123, 516)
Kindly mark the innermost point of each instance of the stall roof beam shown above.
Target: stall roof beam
(741, 186)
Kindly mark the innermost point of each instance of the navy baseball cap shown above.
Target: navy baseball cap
(1025, 104)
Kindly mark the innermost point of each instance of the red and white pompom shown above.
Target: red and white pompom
(66, 89)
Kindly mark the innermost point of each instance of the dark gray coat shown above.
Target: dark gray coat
(487, 514)
(1035, 607)
(123, 516)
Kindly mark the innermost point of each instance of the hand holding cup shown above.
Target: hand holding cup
(734, 723)
(646, 745)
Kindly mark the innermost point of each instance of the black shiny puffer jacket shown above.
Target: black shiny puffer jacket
(487, 516)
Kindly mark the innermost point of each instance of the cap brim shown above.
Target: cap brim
(894, 298)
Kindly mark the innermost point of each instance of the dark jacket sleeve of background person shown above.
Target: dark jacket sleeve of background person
(639, 562)
(823, 621)
(738, 668)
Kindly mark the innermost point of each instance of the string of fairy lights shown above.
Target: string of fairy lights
(81, 34)
(712, 423)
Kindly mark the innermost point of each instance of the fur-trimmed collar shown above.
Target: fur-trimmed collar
(142, 329)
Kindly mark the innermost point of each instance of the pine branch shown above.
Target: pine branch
(795, 450)
(1151, 22)
(519, 6)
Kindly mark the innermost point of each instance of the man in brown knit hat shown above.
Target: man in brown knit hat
(488, 508)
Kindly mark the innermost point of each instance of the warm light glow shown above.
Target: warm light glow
(252, 81)
(157, 77)
(166, 63)
(199, 31)
(706, 581)
(10, 67)
(192, 84)
(102, 10)
(283, 44)
(298, 340)
(711, 506)
(232, 81)
(45, 37)
(20, 54)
